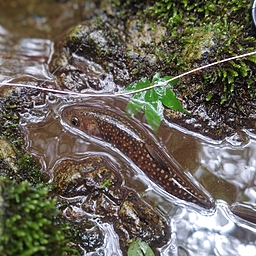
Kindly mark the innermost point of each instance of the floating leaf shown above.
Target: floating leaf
(139, 248)
(153, 114)
(153, 99)
(136, 103)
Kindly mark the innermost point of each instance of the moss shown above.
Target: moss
(199, 43)
(174, 13)
(14, 163)
(199, 33)
(9, 120)
(29, 221)
(31, 166)
(28, 217)
(204, 32)
(204, 25)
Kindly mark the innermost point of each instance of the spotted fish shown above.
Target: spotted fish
(245, 211)
(120, 133)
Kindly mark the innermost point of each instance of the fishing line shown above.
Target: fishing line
(126, 92)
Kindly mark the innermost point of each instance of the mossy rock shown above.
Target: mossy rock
(220, 98)
(28, 223)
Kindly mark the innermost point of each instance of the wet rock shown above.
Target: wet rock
(141, 220)
(105, 56)
(92, 239)
(7, 154)
(90, 58)
(92, 186)
(87, 234)
(14, 162)
(140, 38)
(200, 122)
(215, 125)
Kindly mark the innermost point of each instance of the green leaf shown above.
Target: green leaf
(143, 83)
(139, 248)
(153, 114)
(156, 79)
(136, 103)
(152, 100)
(170, 101)
(153, 110)
(151, 96)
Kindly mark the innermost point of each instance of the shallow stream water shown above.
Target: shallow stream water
(226, 171)
(225, 168)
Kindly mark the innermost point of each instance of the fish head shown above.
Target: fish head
(82, 119)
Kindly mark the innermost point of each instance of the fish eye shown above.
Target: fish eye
(75, 121)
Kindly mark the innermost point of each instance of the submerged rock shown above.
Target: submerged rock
(92, 186)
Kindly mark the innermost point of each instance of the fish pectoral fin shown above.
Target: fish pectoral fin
(167, 163)
(155, 155)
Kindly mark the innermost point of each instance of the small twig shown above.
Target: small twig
(130, 92)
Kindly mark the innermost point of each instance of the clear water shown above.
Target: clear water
(227, 172)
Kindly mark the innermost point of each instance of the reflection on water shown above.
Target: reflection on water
(219, 234)
(235, 165)
(22, 56)
(226, 170)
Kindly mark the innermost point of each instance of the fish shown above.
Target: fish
(245, 211)
(121, 133)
